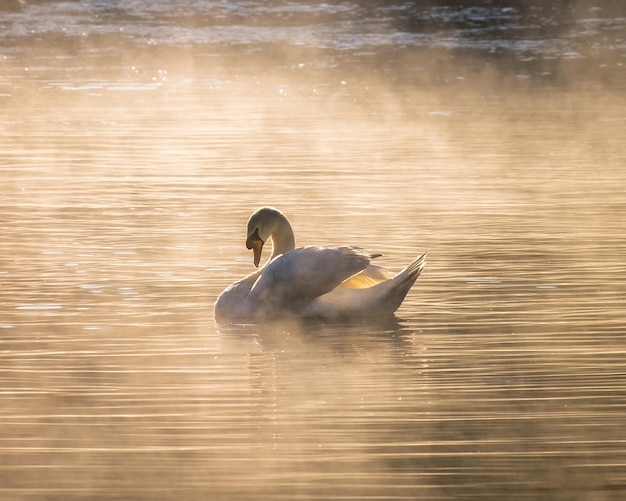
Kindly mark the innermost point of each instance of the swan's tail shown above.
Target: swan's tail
(395, 290)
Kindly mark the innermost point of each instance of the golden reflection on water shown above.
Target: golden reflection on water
(123, 219)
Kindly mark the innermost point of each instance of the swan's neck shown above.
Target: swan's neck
(283, 239)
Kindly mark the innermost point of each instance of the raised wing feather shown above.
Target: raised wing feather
(370, 276)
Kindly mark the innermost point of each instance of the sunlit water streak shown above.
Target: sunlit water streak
(126, 184)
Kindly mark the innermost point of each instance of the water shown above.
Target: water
(136, 139)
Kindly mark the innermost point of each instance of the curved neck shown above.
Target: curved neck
(283, 239)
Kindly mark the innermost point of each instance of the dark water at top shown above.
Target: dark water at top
(137, 137)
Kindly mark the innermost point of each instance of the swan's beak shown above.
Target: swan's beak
(257, 247)
(255, 243)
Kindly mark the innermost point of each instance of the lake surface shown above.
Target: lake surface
(137, 137)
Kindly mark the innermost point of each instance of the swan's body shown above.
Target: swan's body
(326, 282)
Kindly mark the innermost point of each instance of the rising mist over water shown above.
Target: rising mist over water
(136, 138)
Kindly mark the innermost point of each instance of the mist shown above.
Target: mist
(137, 137)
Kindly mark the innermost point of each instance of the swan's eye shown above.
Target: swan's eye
(253, 238)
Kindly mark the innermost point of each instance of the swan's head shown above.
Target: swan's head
(261, 225)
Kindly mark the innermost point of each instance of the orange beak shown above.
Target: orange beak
(255, 243)
(257, 247)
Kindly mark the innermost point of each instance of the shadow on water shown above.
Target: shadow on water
(320, 333)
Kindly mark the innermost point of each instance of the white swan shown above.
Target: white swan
(313, 281)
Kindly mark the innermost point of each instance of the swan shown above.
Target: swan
(313, 281)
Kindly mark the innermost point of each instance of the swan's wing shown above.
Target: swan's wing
(379, 300)
(295, 278)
